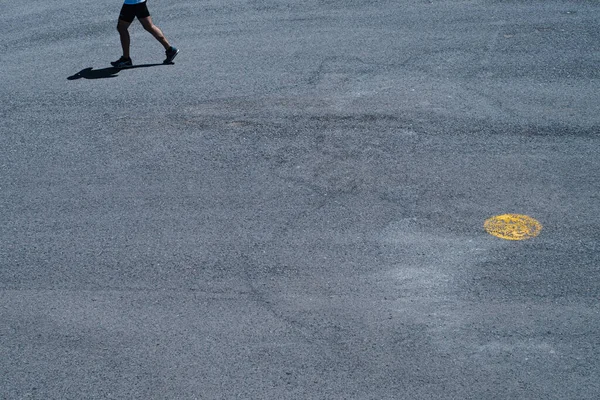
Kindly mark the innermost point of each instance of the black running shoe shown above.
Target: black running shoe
(122, 63)
(171, 53)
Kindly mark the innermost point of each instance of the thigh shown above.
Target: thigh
(146, 22)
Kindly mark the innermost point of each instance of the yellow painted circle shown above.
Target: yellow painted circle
(512, 227)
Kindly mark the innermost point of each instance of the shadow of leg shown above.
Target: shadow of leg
(90, 73)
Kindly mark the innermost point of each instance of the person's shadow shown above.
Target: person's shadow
(111, 72)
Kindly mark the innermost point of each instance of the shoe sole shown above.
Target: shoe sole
(121, 66)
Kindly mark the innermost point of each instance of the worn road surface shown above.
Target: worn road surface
(295, 208)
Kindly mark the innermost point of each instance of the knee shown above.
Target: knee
(121, 28)
(149, 27)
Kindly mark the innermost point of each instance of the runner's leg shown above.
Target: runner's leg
(155, 31)
(122, 27)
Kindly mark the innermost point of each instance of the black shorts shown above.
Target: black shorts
(130, 11)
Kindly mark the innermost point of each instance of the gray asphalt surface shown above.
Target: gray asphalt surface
(295, 208)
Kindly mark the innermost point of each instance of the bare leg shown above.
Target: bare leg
(157, 33)
(124, 35)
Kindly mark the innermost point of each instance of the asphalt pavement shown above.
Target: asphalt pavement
(295, 208)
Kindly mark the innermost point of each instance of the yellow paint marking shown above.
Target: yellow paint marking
(512, 227)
